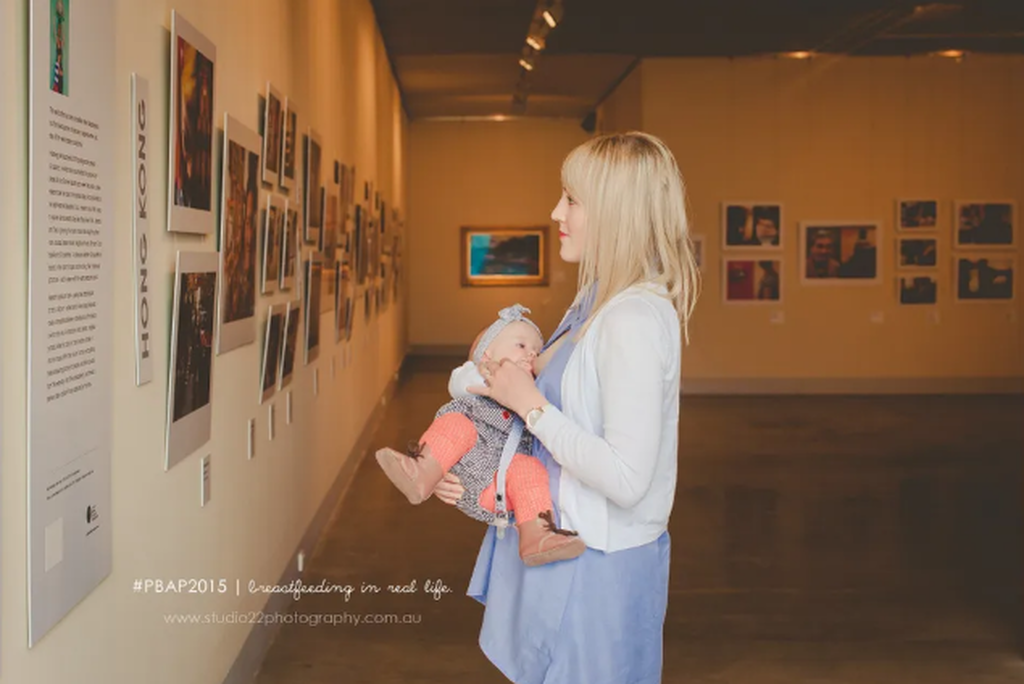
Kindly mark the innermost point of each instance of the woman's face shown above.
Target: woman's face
(572, 227)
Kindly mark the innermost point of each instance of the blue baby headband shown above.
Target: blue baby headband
(510, 314)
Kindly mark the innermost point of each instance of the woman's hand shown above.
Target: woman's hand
(449, 489)
(510, 385)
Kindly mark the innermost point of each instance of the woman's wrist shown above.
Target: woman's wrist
(536, 400)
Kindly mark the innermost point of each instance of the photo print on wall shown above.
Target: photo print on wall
(329, 250)
(917, 215)
(289, 143)
(839, 252)
(917, 252)
(984, 225)
(60, 49)
(313, 274)
(698, 250)
(272, 341)
(273, 129)
(313, 189)
(290, 247)
(986, 277)
(918, 288)
(240, 201)
(752, 280)
(192, 333)
(273, 242)
(190, 176)
(751, 225)
(290, 344)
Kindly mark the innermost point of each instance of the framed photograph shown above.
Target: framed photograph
(839, 252)
(239, 226)
(985, 277)
(273, 339)
(313, 274)
(504, 256)
(917, 252)
(313, 189)
(273, 243)
(290, 247)
(273, 129)
(751, 225)
(290, 342)
(358, 247)
(329, 250)
(190, 176)
(919, 216)
(189, 383)
(289, 143)
(342, 302)
(698, 250)
(985, 225)
(918, 288)
(752, 280)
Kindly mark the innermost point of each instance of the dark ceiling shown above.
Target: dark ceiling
(459, 58)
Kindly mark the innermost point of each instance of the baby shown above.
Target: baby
(467, 438)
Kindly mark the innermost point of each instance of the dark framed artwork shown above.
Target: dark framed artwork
(503, 256)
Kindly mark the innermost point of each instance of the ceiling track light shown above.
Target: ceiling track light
(526, 64)
(552, 14)
(534, 42)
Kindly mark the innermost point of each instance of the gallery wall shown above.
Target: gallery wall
(481, 174)
(842, 139)
(329, 57)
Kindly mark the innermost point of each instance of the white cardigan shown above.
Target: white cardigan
(616, 436)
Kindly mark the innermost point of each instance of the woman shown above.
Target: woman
(605, 413)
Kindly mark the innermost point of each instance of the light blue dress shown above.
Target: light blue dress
(597, 619)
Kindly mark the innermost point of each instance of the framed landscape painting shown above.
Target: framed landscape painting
(503, 256)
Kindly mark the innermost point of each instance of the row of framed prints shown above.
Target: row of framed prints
(285, 332)
(976, 277)
(976, 224)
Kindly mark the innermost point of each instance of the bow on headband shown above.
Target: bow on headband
(510, 314)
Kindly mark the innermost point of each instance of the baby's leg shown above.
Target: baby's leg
(526, 486)
(529, 497)
(448, 439)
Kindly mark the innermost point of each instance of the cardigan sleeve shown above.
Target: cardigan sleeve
(630, 354)
(463, 377)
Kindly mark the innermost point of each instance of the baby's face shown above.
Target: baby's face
(518, 343)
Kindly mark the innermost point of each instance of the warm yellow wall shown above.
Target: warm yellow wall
(329, 56)
(841, 138)
(623, 110)
(481, 174)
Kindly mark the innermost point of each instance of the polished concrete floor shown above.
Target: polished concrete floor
(814, 539)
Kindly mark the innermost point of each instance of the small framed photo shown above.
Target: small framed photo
(920, 216)
(189, 387)
(918, 288)
(273, 128)
(503, 256)
(289, 143)
(839, 252)
(917, 252)
(273, 241)
(985, 277)
(190, 157)
(290, 247)
(313, 189)
(312, 277)
(984, 225)
(289, 343)
(752, 280)
(752, 225)
(698, 250)
(273, 340)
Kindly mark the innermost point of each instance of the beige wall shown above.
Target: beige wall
(481, 174)
(328, 56)
(840, 138)
(623, 110)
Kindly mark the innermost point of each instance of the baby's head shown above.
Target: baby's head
(511, 337)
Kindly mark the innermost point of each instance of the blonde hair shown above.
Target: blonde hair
(637, 231)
